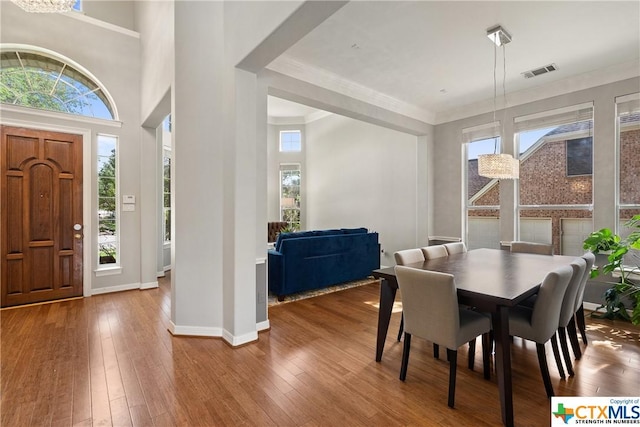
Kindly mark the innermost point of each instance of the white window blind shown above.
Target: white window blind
(552, 118)
(484, 131)
(628, 104)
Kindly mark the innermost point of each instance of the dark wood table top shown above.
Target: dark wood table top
(497, 276)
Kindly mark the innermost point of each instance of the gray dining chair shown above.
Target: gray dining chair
(578, 319)
(566, 314)
(431, 311)
(455, 248)
(409, 256)
(435, 251)
(404, 257)
(540, 323)
(532, 248)
(440, 251)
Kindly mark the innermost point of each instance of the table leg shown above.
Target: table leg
(500, 320)
(387, 296)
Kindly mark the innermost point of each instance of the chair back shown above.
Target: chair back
(429, 305)
(590, 259)
(435, 251)
(532, 248)
(569, 301)
(455, 248)
(408, 256)
(546, 311)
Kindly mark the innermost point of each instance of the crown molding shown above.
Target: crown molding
(291, 67)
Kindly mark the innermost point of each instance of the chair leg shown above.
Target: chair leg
(562, 335)
(436, 351)
(581, 324)
(556, 355)
(472, 354)
(452, 355)
(401, 330)
(405, 356)
(544, 369)
(486, 355)
(573, 338)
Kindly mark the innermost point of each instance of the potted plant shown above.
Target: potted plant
(623, 261)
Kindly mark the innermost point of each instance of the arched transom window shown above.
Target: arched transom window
(34, 80)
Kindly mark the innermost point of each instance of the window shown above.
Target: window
(628, 139)
(483, 194)
(290, 141)
(580, 156)
(555, 196)
(38, 81)
(107, 200)
(166, 195)
(290, 194)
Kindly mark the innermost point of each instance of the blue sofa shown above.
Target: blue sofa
(308, 260)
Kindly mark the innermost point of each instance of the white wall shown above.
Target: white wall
(363, 175)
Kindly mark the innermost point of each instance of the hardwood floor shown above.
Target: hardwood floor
(109, 360)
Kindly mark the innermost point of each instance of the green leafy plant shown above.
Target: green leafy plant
(623, 259)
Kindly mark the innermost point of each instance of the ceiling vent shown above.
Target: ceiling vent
(538, 71)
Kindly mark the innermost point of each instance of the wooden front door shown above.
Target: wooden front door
(41, 211)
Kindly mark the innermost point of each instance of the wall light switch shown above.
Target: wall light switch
(129, 207)
(128, 199)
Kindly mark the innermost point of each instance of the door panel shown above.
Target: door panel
(40, 201)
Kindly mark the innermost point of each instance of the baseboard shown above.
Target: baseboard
(593, 307)
(590, 306)
(236, 341)
(203, 331)
(194, 331)
(117, 288)
(160, 273)
(263, 326)
(149, 285)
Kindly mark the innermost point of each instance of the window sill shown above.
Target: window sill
(108, 271)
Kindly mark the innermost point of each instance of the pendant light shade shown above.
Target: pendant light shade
(498, 166)
(45, 6)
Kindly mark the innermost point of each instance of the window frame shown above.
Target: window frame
(108, 268)
(283, 167)
(289, 131)
(480, 133)
(627, 99)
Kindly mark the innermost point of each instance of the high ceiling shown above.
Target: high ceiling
(432, 60)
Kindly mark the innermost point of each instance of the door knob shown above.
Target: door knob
(78, 236)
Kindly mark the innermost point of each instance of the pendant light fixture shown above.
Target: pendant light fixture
(497, 165)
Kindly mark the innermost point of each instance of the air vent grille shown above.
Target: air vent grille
(539, 71)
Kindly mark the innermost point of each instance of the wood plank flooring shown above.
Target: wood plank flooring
(109, 360)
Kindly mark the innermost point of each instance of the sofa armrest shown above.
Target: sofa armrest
(275, 271)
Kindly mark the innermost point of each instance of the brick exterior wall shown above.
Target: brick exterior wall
(543, 181)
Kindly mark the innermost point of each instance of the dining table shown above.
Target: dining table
(492, 281)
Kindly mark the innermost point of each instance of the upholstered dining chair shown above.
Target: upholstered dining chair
(532, 248)
(578, 319)
(408, 256)
(431, 311)
(435, 251)
(455, 248)
(404, 257)
(566, 314)
(540, 323)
